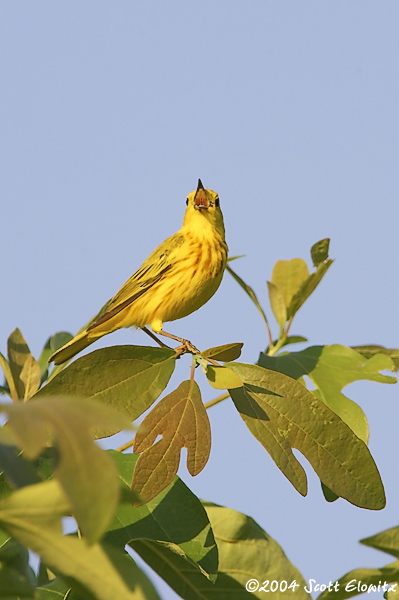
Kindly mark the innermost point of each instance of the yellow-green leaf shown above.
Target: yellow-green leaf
(283, 414)
(87, 474)
(18, 352)
(30, 376)
(222, 378)
(32, 516)
(288, 275)
(8, 376)
(182, 421)
(129, 378)
(330, 369)
(277, 302)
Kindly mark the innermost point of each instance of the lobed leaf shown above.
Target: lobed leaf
(182, 421)
(87, 474)
(175, 517)
(331, 368)
(372, 349)
(283, 414)
(129, 378)
(246, 552)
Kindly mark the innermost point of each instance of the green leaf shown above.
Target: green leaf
(86, 472)
(386, 541)
(129, 378)
(288, 276)
(282, 414)
(30, 376)
(307, 287)
(222, 378)
(182, 421)
(9, 378)
(18, 354)
(372, 349)
(277, 302)
(248, 290)
(372, 580)
(228, 352)
(52, 344)
(32, 516)
(18, 471)
(246, 552)
(175, 517)
(319, 251)
(330, 369)
(16, 576)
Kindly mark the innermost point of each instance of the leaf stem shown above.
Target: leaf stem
(216, 401)
(124, 447)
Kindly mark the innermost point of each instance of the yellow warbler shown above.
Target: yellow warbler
(176, 279)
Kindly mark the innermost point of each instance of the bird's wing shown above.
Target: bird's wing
(151, 271)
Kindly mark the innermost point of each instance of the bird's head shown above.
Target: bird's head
(203, 210)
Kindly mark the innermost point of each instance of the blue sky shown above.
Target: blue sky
(110, 112)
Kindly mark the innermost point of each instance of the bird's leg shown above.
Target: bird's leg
(154, 337)
(185, 344)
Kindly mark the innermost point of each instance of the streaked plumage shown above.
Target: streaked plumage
(175, 280)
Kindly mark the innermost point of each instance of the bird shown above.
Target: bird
(178, 277)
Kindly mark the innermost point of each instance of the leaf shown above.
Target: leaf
(52, 344)
(228, 352)
(18, 354)
(288, 276)
(16, 576)
(307, 287)
(222, 378)
(246, 552)
(30, 376)
(32, 516)
(18, 471)
(372, 349)
(361, 581)
(175, 517)
(386, 541)
(9, 378)
(277, 302)
(282, 414)
(319, 251)
(331, 368)
(182, 421)
(248, 290)
(129, 378)
(86, 472)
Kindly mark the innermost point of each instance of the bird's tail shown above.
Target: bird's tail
(77, 344)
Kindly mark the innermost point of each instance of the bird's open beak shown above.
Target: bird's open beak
(201, 199)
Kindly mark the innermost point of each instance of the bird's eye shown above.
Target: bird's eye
(187, 201)
(217, 202)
